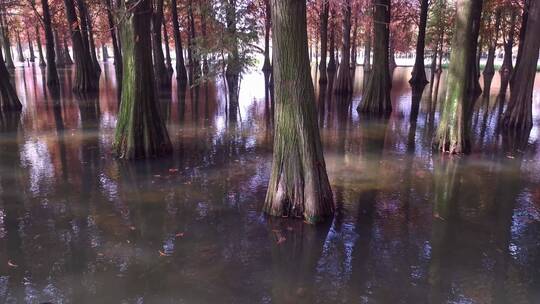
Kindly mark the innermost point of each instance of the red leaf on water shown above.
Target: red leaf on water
(179, 234)
(11, 264)
(163, 254)
(173, 170)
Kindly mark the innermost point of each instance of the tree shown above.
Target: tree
(163, 77)
(181, 74)
(52, 73)
(489, 69)
(325, 11)
(8, 97)
(376, 99)
(418, 78)
(86, 79)
(298, 185)
(343, 83)
(40, 48)
(140, 131)
(115, 43)
(518, 114)
(453, 131)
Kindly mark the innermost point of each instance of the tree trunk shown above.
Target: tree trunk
(91, 43)
(391, 56)
(489, 69)
(6, 42)
(52, 73)
(506, 69)
(181, 74)
(67, 56)
(104, 53)
(343, 83)
(115, 43)
(331, 68)
(8, 96)
(86, 79)
(164, 79)
(58, 50)
(453, 131)
(140, 131)
(376, 99)
(167, 49)
(325, 10)
(518, 114)
(367, 51)
(193, 54)
(30, 47)
(522, 33)
(40, 48)
(234, 67)
(298, 185)
(19, 48)
(418, 79)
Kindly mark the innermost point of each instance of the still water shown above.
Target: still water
(78, 226)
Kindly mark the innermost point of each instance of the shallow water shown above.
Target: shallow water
(78, 226)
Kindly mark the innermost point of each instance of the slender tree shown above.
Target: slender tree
(52, 73)
(140, 131)
(298, 185)
(518, 114)
(115, 43)
(453, 131)
(489, 69)
(506, 68)
(343, 83)
(325, 11)
(30, 47)
(40, 47)
(164, 79)
(419, 79)
(376, 99)
(6, 41)
(19, 48)
(181, 74)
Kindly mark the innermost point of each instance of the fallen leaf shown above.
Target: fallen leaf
(179, 234)
(163, 254)
(132, 228)
(173, 170)
(281, 240)
(11, 264)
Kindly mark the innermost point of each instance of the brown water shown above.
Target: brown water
(78, 226)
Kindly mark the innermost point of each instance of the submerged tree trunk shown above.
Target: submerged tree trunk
(8, 96)
(167, 49)
(376, 99)
(234, 68)
(19, 48)
(331, 68)
(418, 79)
(325, 10)
(40, 48)
(91, 43)
(52, 73)
(298, 185)
(140, 131)
(522, 33)
(367, 51)
(343, 83)
(453, 131)
(518, 114)
(164, 79)
(58, 50)
(30, 47)
(115, 44)
(181, 74)
(86, 79)
(67, 56)
(489, 69)
(506, 68)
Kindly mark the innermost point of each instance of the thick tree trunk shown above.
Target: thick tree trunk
(343, 83)
(6, 42)
(234, 68)
(140, 131)
(8, 96)
(453, 131)
(298, 185)
(489, 69)
(181, 74)
(367, 51)
(86, 79)
(391, 56)
(52, 73)
(522, 33)
(376, 99)
(164, 79)
(518, 114)
(325, 11)
(30, 47)
(418, 79)
(40, 48)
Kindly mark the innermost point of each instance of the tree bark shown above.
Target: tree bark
(6, 42)
(453, 134)
(518, 114)
(418, 79)
(343, 83)
(140, 131)
(298, 185)
(8, 96)
(86, 79)
(522, 33)
(52, 73)
(325, 11)
(367, 51)
(489, 69)
(181, 74)
(376, 99)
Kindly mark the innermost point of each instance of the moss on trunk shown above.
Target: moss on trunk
(140, 131)
(298, 185)
(453, 131)
(376, 99)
